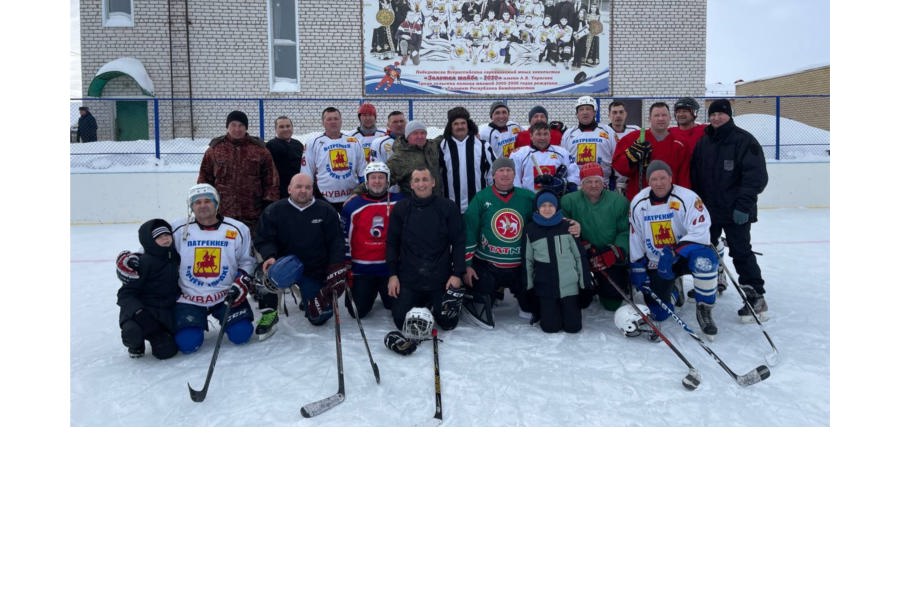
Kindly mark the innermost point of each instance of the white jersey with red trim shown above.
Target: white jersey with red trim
(503, 143)
(606, 154)
(588, 146)
(366, 140)
(531, 162)
(336, 166)
(681, 218)
(382, 148)
(210, 259)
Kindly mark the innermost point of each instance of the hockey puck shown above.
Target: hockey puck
(580, 77)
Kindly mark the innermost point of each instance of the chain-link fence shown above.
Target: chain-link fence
(138, 132)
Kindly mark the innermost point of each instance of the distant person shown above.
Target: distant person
(149, 291)
(729, 172)
(585, 140)
(87, 125)
(286, 153)
(335, 161)
(241, 169)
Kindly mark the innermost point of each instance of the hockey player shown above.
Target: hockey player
(465, 158)
(538, 114)
(660, 144)
(287, 153)
(500, 133)
(308, 229)
(426, 251)
(149, 291)
(214, 272)
(587, 141)
(686, 119)
(542, 158)
(365, 218)
(366, 132)
(382, 147)
(669, 238)
(729, 170)
(335, 161)
(616, 129)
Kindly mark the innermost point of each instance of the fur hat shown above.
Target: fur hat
(457, 112)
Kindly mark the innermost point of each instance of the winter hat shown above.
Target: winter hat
(457, 112)
(495, 105)
(414, 126)
(591, 170)
(546, 196)
(543, 197)
(537, 109)
(502, 163)
(723, 106)
(238, 116)
(657, 165)
(163, 229)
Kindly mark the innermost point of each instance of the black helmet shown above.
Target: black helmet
(688, 103)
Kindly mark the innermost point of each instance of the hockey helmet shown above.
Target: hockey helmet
(418, 323)
(377, 167)
(585, 101)
(202, 190)
(629, 321)
(366, 108)
(688, 103)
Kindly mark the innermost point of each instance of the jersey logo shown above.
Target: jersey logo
(662, 233)
(507, 225)
(207, 262)
(338, 159)
(352, 139)
(230, 234)
(368, 153)
(587, 153)
(674, 204)
(544, 170)
(698, 204)
(507, 149)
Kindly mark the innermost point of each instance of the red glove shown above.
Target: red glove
(237, 293)
(126, 266)
(606, 258)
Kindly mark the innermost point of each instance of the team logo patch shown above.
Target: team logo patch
(662, 233)
(674, 204)
(352, 139)
(507, 225)
(508, 149)
(207, 262)
(586, 153)
(338, 159)
(230, 234)
(698, 204)
(368, 153)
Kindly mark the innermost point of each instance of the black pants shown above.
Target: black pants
(365, 289)
(560, 314)
(491, 278)
(162, 342)
(430, 299)
(741, 253)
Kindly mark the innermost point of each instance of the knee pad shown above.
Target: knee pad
(189, 339)
(703, 261)
(239, 332)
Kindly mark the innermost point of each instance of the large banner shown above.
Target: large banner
(493, 47)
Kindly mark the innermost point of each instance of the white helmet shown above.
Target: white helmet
(418, 323)
(377, 167)
(585, 101)
(202, 190)
(628, 321)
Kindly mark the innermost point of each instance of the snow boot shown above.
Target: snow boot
(757, 301)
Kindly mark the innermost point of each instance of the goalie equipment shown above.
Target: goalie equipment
(202, 190)
(418, 323)
(628, 321)
(399, 343)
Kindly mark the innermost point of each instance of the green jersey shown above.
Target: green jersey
(495, 225)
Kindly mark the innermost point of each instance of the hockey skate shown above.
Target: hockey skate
(678, 292)
(757, 301)
(477, 311)
(705, 320)
(265, 328)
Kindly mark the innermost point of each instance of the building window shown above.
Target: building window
(117, 13)
(284, 63)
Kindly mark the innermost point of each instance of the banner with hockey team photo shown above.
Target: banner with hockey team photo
(492, 47)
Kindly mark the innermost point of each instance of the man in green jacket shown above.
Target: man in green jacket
(603, 216)
(415, 151)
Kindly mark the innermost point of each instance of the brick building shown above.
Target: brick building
(812, 111)
(310, 54)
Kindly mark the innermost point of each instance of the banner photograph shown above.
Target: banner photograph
(492, 47)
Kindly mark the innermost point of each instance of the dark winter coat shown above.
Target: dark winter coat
(156, 289)
(287, 155)
(87, 128)
(728, 172)
(243, 173)
(426, 242)
(313, 235)
(406, 158)
(554, 261)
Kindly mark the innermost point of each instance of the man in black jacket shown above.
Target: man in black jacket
(728, 171)
(426, 251)
(286, 152)
(87, 125)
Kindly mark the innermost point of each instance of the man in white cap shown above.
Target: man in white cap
(415, 151)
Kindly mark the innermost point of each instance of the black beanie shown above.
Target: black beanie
(721, 105)
(238, 116)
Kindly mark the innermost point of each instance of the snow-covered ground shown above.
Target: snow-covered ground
(515, 375)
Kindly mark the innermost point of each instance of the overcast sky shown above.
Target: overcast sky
(746, 39)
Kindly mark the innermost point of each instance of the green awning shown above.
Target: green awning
(99, 81)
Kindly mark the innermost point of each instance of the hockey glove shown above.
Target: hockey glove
(638, 152)
(320, 304)
(604, 259)
(336, 278)
(639, 274)
(399, 343)
(452, 302)
(237, 293)
(664, 268)
(126, 266)
(739, 217)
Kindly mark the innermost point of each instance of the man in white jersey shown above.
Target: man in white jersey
(216, 261)
(500, 133)
(617, 129)
(586, 141)
(382, 147)
(335, 161)
(367, 131)
(543, 158)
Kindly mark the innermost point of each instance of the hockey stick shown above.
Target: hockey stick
(363, 334)
(755, 376)
(692, 379)
(200, 395)
(438, 407)
(771, 359)
(319, 406)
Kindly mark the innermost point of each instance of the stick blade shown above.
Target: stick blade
(692, 380)
(197, 395)
(319, 406)
(377, 374)
(755, 376)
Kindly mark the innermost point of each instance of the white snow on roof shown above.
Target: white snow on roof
(131, 67)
